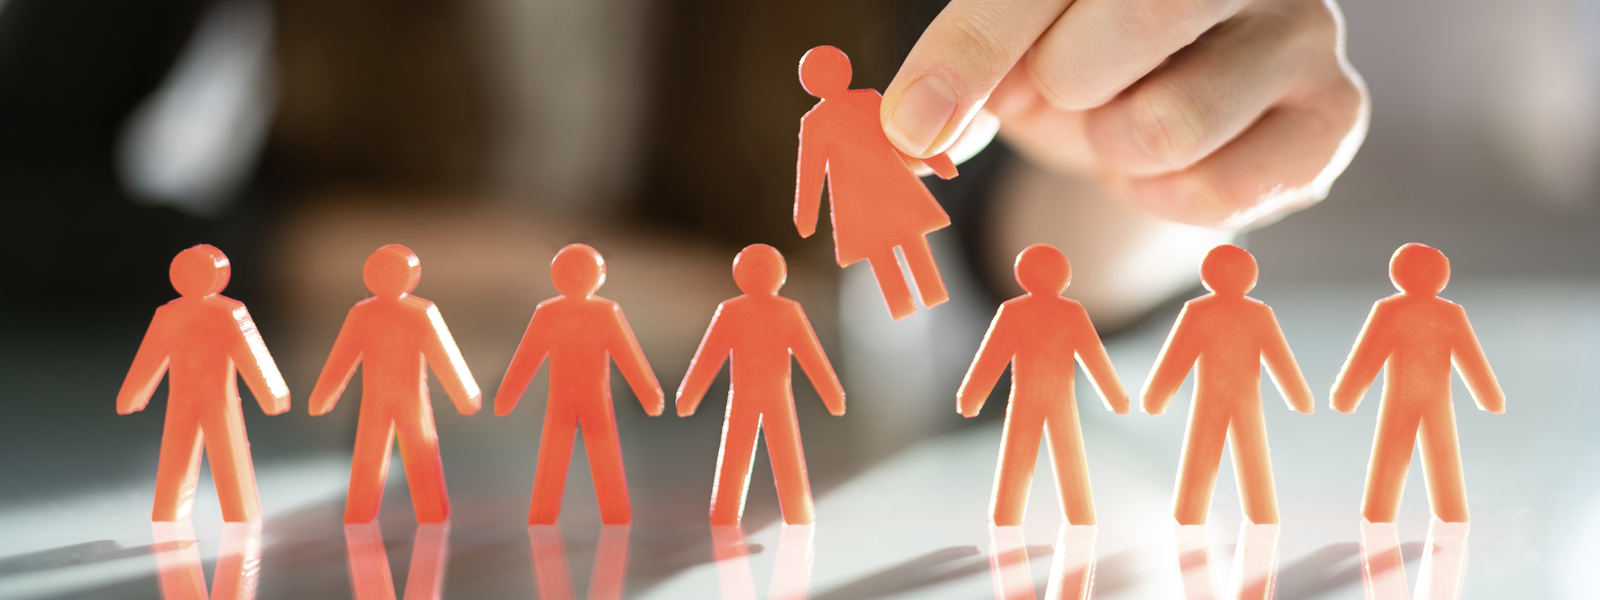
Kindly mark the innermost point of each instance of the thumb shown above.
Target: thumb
(954, 66)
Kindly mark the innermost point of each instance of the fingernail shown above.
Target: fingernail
(922, 113)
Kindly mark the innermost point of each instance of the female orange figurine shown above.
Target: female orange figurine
(877, 202)
(398, 336)
(1038, 334)
(581, 333)
(760, 330)
(1414, 336)
(1226, 336)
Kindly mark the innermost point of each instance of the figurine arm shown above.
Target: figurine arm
(808, 351)
(341, 365)
(994, 354)
(260, 373)
(708, 359)
(624, 349)
(1467, 354)
(1097, 364)
(811, 170)
(1177, 355)
(530, 355)
(442, 353)
(1366, 359)
(1284, 370)
(149, 364)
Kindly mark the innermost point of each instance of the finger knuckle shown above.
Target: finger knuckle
(1167, 123)
(1173, 19)
(979, 36)
(1059, 87)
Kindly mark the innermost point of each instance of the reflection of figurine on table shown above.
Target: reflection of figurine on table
(791, 569)
(1444, 562)
(1071, 573)
(549, 558)
(182, 575)
(369, 562)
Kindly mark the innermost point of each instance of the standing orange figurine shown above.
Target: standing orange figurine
(581, 333)
(877, 202)
(761, 330)
(1038, 334)
(1226, 336)
(204, 338)
(397, 335)
(1414, 336)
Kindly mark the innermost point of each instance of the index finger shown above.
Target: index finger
(954, 66)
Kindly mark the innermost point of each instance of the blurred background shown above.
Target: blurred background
(300, 135)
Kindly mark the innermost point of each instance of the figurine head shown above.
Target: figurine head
(577, 271)
(1228, 270)
(1043, 270)
(759, 270)
(825, 72)
(1419, 269)
(392, 271)
(200, 271)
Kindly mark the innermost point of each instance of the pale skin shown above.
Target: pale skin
(1209, 112)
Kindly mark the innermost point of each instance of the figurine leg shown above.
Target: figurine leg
(1071, 464)
(1441, 467)
(369, 468)
(919, 257)
(1197, 468)
(1391, 457)
(555, 454)
(1252, 465)
(178, 470)
(231, 469)
(893, 284)
(605, 466)
(733, 465)
(419, 452)
(789, 465)
(1019, 449)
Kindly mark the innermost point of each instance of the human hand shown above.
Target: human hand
(1208, 112)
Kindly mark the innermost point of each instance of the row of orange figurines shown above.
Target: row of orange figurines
(202, 337)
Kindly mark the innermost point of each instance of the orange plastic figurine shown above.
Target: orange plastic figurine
(581, 333)
(397, 335)
(1226, 336)
(1039, 333)
(877, 201)
(204, 338)
(1414, 336)
(760, 329)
